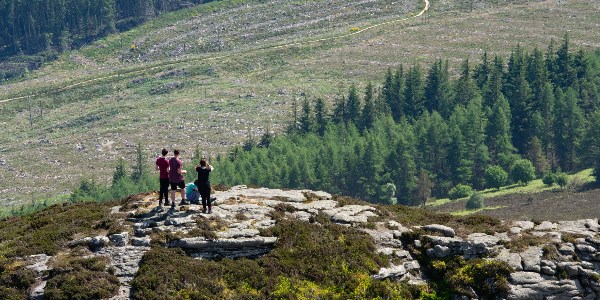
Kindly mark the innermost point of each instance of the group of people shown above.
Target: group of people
(172, 174)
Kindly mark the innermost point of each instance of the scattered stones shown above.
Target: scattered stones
(141, 241)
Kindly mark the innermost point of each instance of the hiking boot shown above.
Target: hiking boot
(182, 203)
(209, 210)
(204, 210)
(160, 202)
(173, 205)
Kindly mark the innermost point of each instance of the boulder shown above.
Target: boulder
(512, 259)
(141, 241)
(438, 251)
(391, 272)
(119, 239)
(545, 226)
(531, 259)
(525, 225)
(99, 242)
(444, 230)
(520, 278)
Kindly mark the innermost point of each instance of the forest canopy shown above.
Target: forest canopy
(421, 132)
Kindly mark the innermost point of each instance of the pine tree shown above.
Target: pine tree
(306, 120)
(465, 89)
(414, 93)
(565, 73)
(568, 124)
(590, 146)
(518, 94)
(396, 100)
(321, 116)
(139, 170)
(368, 114)
(437, 89)
(353, 105)
(482, 71)
(120, 171)
(498, 135)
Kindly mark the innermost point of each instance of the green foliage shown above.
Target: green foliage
(562, 179)
(495, 177)
(475, 201)
(549, 179)
(522, 171)
(308, 261)
(81, 278)
(460, 191)
(15, 280)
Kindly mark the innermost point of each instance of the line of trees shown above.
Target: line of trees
(30, 27)
(422, 133)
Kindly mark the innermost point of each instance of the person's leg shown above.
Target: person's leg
(182, 187)
(173, 191)
(164, 190)
(209, 202)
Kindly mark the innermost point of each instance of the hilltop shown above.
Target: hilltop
(268, 243)
(223, 61)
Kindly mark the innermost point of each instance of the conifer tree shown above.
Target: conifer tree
(353, 105)
(306, 118)
(482, 71)
(518, 94)
(368, 114)
(568, 124)
(465, 89)
(321, 116)
(413, 93)
(139, 170)
(437, 89)
(396, 100)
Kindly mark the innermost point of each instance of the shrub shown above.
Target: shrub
(460, 191)
(309, 261)
(475, 201)
(562, 179)
(495, 177)
(82, 278)
(522, 171)
(549, 179)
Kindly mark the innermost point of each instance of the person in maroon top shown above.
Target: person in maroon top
(176, 179)
(162, 165)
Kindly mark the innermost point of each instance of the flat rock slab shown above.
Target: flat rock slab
(532, 258)
(276, 194)
(520, 278)
(445, 230)
(204, 244)
(512, 259)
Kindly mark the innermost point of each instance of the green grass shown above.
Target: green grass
(578, 179)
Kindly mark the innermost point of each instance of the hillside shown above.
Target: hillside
(221, 60)
(268, 244)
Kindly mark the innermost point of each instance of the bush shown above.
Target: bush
(309, 261)
(549, 179)
(495, 177)
(82, 278)
(562, 179)
(522, 171)
(475, 201)
(460, 191)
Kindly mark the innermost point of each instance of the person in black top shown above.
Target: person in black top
(204, 169)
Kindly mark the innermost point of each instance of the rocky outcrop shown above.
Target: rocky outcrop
(563, 264)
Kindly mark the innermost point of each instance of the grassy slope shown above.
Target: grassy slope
(537, 201)
(83, 130)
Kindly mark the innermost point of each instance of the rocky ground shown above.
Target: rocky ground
(549, 260)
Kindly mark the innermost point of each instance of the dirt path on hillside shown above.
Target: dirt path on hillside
(123, 73)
